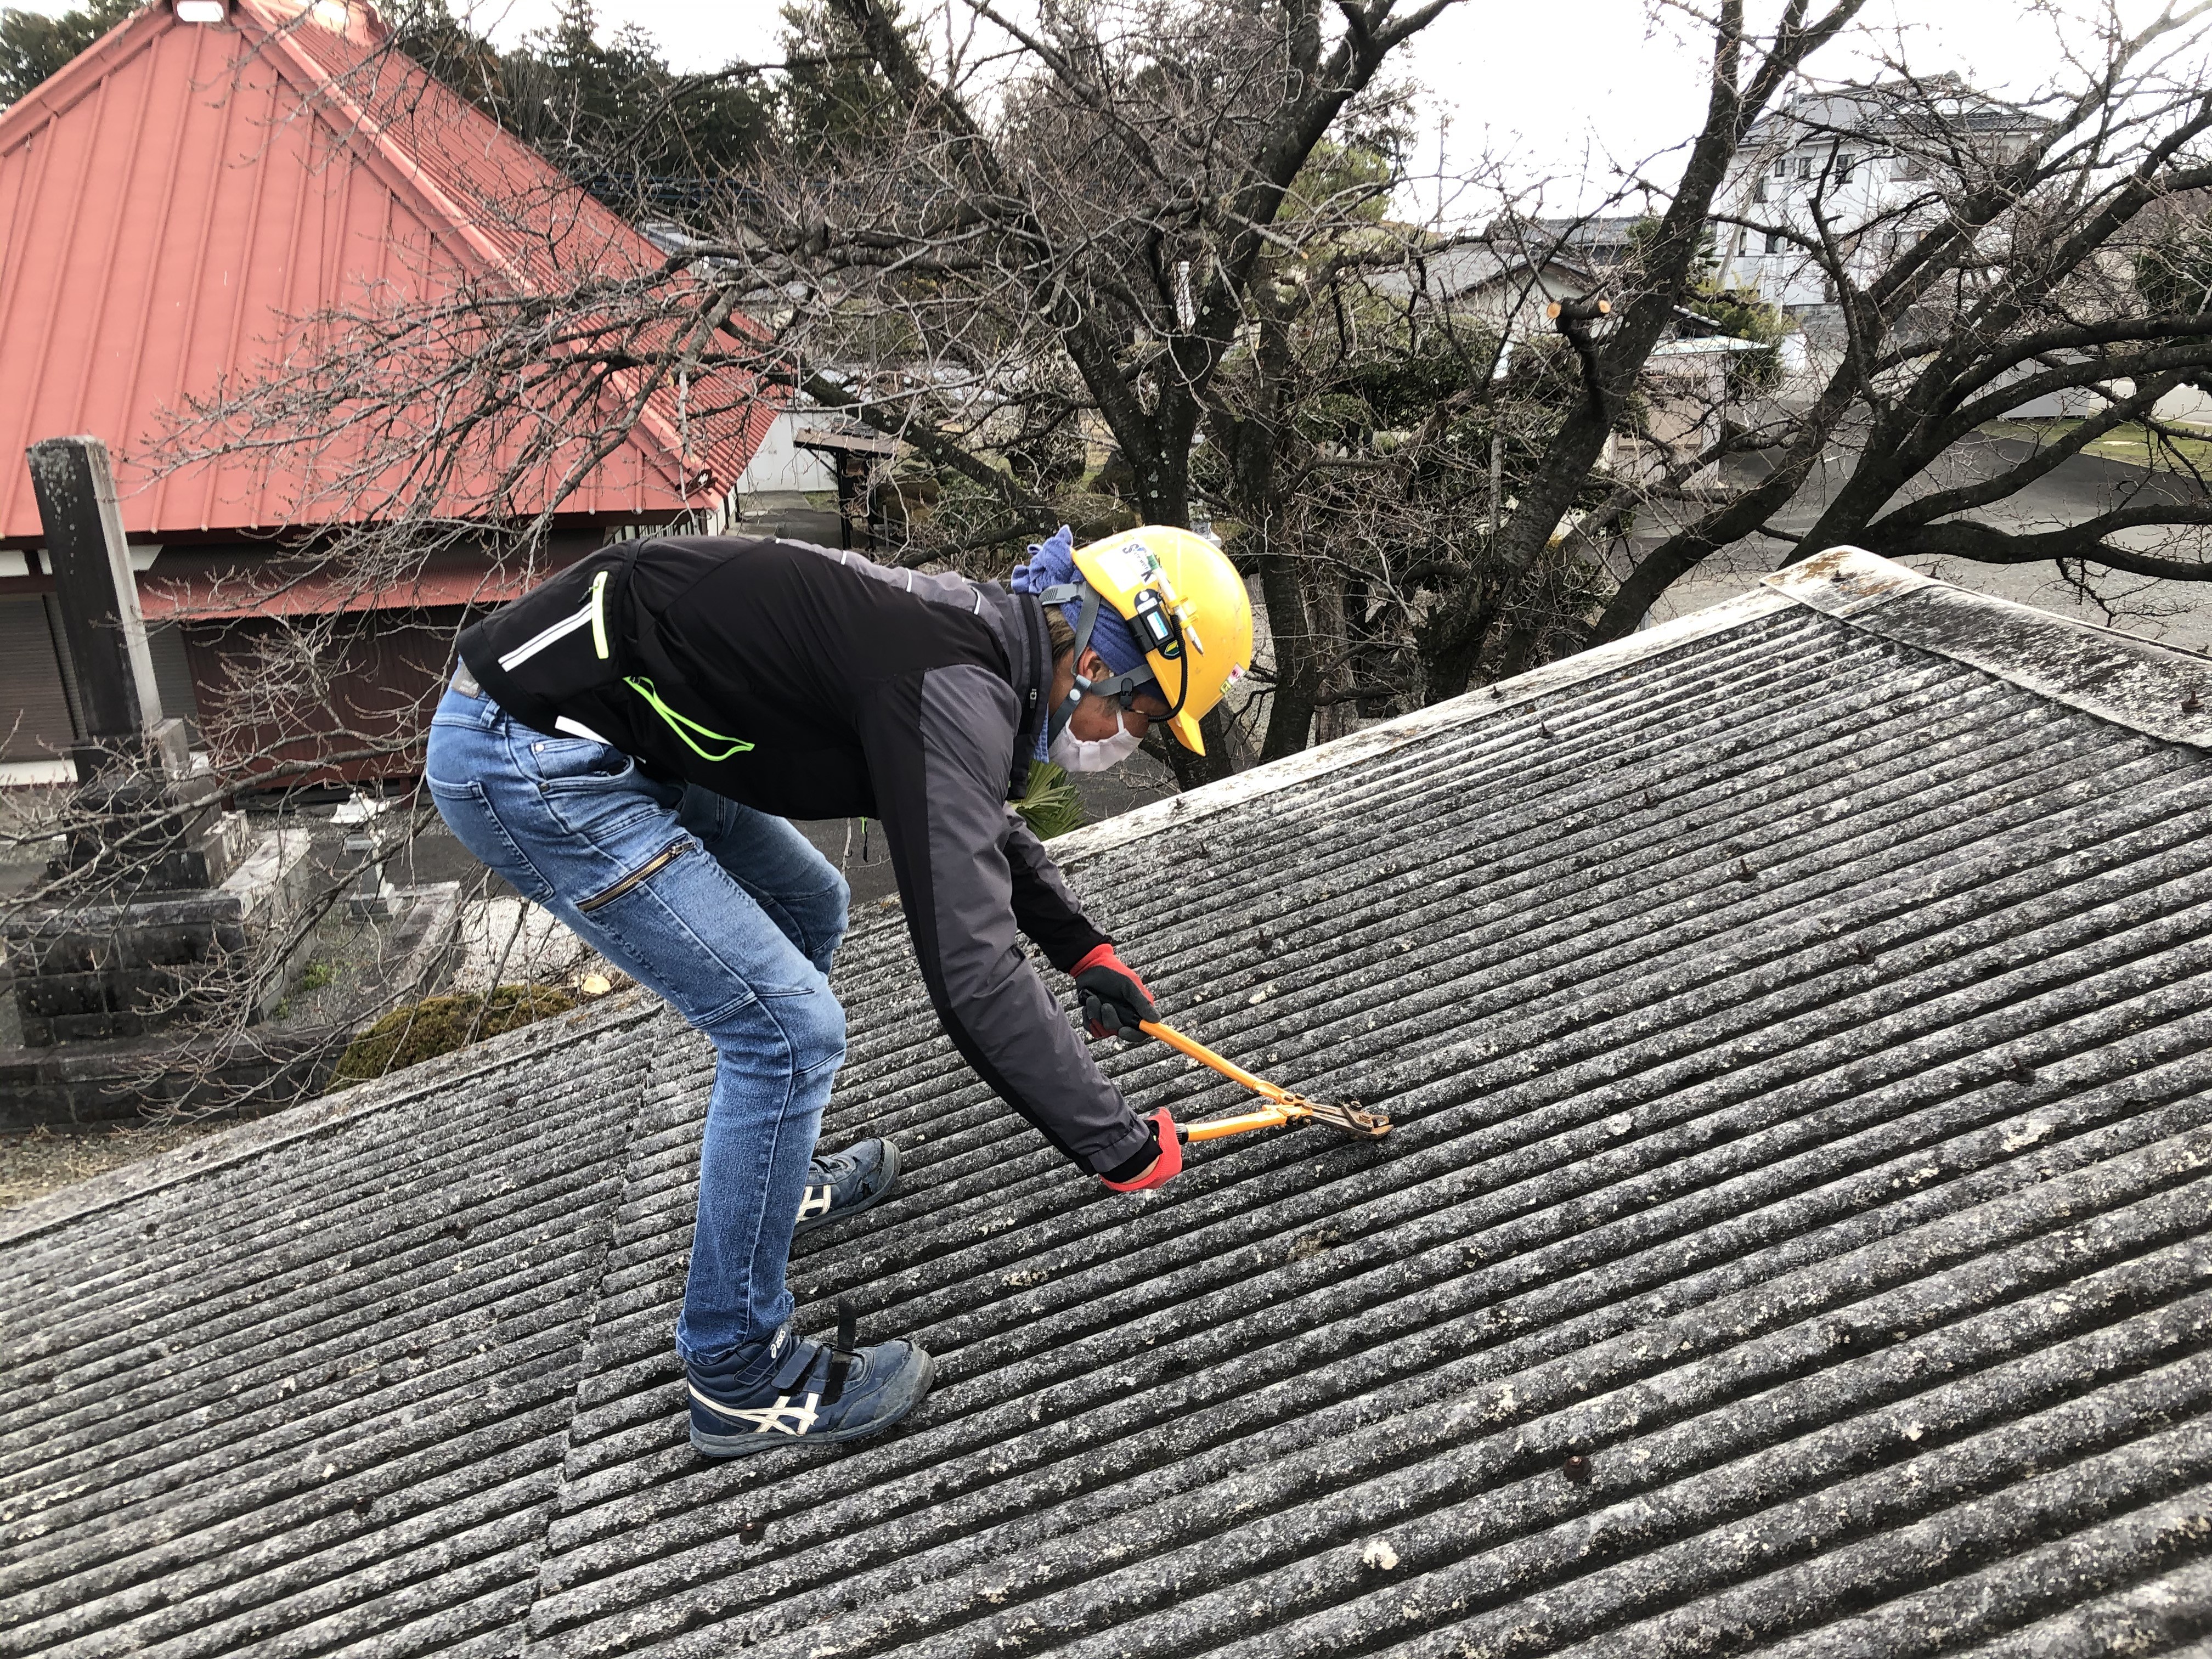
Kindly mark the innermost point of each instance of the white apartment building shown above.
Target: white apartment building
(1861, 170)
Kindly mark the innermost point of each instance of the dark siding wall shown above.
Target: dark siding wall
(385, 668)
(34, 712)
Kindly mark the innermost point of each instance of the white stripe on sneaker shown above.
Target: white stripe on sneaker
(765, 1417)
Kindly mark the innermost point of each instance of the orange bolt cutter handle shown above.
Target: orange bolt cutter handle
(1206, 1057)
(1215, 1127)
(1283, 1107)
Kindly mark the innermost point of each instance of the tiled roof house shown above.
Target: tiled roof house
(1793, 1239)
(174, 204)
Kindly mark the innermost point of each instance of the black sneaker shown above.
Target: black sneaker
(845, 1183)
(816, 1395)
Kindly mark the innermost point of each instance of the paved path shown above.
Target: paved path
(2173, 613)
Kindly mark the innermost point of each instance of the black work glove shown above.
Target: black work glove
(1114, 999)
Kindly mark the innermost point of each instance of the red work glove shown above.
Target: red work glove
(1154, 1164)
(1114, 997)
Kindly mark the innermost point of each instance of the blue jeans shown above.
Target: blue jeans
(730, 915)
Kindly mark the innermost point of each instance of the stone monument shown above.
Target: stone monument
(156, 886)
(144, 822)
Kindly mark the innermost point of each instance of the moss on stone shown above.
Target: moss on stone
(438, 1025)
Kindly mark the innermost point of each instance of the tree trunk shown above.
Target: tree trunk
(1290, 718)
(1669, 269)
(1451, 642)
(1327, 647)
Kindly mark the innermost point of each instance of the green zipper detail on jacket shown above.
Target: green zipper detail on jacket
(599, 614)
(678, 723)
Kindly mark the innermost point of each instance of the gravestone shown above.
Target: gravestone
(143, 821)
(160, 895)
(157, 889)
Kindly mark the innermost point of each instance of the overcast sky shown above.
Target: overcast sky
(1574, 89)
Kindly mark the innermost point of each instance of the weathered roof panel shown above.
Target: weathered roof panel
(1798, 1042)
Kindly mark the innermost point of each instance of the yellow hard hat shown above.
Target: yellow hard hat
(1188, 607)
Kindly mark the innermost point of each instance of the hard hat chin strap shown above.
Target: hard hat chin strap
(1107, 685)
(1056, 720)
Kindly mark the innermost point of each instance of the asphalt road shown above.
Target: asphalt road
(2173, 613)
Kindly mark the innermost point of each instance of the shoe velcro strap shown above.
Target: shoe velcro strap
(844, 1356)
(801, 1360)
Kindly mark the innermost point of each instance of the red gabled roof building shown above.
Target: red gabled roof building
(176, 204)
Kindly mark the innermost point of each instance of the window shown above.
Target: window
(1782, 169)
(1909, 166)
(1845, 163)
(1759, 191)
(1774, 242)
(1804, 167)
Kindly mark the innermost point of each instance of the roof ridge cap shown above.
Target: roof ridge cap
(312, 83)
(308, 79)
(2116, 676)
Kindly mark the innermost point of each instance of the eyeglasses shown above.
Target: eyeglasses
(1153, 706)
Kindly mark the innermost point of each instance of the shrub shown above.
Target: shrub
(1050, 803)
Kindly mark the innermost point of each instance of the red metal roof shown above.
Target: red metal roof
(284, 588)
(176, 197)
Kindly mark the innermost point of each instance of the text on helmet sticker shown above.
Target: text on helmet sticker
(1130, 565)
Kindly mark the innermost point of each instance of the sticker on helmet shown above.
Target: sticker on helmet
(1128, 565)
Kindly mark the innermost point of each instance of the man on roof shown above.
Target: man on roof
(626, 745)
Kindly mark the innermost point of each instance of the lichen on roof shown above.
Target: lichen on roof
(1794, 1239)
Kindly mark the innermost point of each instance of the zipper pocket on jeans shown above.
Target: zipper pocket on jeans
(646, 872)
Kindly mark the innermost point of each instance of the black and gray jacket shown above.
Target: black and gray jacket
(814, 684)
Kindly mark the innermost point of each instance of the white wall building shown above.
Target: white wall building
(1861, 171)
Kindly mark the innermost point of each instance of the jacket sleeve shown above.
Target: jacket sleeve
(938, 748)
(1044, 908)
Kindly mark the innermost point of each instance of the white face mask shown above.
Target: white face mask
(1073, 754)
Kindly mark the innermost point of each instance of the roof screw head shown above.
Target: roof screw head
(1577, 1468)
(2189, 704)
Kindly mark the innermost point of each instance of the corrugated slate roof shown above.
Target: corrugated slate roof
(173, 200)
(1794, 1020)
